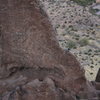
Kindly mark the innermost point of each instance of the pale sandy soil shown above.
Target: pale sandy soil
(75, 23)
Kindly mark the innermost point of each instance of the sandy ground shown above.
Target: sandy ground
(74, 25)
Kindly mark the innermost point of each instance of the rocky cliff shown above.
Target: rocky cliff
(32, 65)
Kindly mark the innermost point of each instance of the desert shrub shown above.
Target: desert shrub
(77, 37)
(71, 44)
(84, 2)
(84, 42)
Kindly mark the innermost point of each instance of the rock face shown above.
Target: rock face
(32, 65)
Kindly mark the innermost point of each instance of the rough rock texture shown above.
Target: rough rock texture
(33, 66)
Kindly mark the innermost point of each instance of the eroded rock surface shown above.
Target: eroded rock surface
(33, 66)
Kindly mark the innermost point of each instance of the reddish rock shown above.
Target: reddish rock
(97, 1)
(33, 66)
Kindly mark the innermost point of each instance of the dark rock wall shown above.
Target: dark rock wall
(98, 76)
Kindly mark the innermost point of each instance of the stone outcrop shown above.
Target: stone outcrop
(32, 65)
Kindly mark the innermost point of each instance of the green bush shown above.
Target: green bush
(84, 42)
(84, 2)
(71, 44)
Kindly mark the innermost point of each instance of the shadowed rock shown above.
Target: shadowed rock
(98, 76)
(33, 66)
